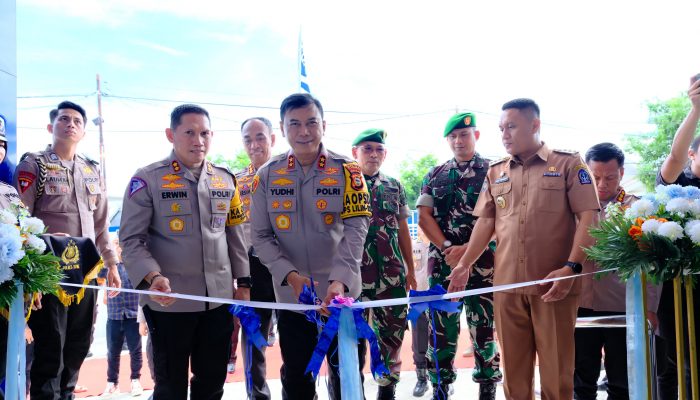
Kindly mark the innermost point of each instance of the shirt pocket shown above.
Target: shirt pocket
(176, 216)
(283, 214)
(552, 195)
(442, 199)
(389, 208)
(93, 191)
(328, 212)
(502, 194)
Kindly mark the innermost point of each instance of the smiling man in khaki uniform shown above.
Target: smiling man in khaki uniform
(309, 220)
(181, 232)
(540, 204)
(65, 190)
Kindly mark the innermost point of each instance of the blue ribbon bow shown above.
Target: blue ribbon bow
(416, 309)
(329, 332)
(250, 321)
(308, 296)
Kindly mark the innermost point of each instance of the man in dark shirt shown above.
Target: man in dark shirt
(677, 170)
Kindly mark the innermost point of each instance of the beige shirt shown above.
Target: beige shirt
(8, 195)
(608, 292)
(187, 229)
(69, 196)
(314, 223)
(534, 204)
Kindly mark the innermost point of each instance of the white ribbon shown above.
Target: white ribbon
(361, 304)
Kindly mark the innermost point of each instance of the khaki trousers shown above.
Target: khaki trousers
(528, 327)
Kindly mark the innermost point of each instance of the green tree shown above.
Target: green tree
(412, 173)
(239, 162)
(653, 148)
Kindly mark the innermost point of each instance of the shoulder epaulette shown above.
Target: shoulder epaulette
(496, 162)
(25, 155)
(569, 152)
(88, 159)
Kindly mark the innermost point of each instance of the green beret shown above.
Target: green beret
(459, 121)
(370, 135)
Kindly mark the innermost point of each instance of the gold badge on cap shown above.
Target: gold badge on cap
(501, 202)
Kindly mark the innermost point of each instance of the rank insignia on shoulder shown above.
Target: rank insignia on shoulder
(176, 166)
(135, 185)
(254, 186)
(210, 169)
(290, 162)
(496, 162)
(322, 162)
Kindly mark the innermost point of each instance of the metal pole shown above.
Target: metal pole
(103, 168)
(691, 335)
(646, 340)
(680, 345)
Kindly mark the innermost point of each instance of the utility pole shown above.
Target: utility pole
(99, 121)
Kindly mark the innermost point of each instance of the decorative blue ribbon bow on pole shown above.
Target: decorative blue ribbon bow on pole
(350, 326)
(250, 321)
(416, 309)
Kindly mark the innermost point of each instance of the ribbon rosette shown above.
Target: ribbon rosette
(330, 330)
(416, 309)
(250, 322)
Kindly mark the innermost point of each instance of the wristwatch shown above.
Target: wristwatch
(576, 267)
(446, 244)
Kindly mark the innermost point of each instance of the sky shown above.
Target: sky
(404, 66)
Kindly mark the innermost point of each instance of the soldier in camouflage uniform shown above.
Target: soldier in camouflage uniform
(446, 202)
(387, 248)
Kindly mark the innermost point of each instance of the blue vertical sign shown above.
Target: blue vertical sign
(8, 76)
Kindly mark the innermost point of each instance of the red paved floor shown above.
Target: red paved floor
(93, 374)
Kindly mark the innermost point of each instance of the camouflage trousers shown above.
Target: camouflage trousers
(445, 328)
(389, 325)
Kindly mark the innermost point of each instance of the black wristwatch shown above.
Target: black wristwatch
(244, 282)
(576, 267)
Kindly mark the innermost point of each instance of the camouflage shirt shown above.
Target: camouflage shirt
(382, 263)
(454, 194)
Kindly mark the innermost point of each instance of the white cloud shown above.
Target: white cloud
(158, 47)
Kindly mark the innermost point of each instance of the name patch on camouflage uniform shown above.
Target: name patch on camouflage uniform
(236, 215)
(356, 198)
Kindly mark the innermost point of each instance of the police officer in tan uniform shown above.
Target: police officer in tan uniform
(8, 194)
(309, 217)
(180, 231)
(65, 191)
(539, 203)
(258, 139)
